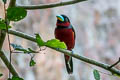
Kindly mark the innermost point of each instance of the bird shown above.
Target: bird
(65, 32)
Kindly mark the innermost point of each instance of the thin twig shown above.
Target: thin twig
(52, 5)
(6, 22)
(67, 52)
(115, 63)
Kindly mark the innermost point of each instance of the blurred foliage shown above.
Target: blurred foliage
(1, 74)
(4, 1)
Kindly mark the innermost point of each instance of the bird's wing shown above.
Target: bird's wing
(74, 32)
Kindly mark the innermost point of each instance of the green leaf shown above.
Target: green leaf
(2, 20)
(3, 25)
(4, 1)
(56, 44)
(96, 74)
(9, 27)
(32, 63)
(15, 78)
(1, 74)
(51, 43)
(39, 40)
(16, 13)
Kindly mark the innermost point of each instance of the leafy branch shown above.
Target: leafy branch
(67, 52)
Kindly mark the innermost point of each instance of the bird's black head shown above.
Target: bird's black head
(62, 18)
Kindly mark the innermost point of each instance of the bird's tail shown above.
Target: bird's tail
(69, 64)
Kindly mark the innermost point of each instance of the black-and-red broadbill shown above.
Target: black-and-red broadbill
(65, 33)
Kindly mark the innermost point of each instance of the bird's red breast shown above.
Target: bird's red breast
(67, 36)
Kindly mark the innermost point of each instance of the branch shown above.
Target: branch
(23, 35)
(12, 3)
(44, 6)
(67, 52)
(115, 63)
(7, 63)
(2, 38)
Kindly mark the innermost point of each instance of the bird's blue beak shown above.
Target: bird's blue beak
(59, 17)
